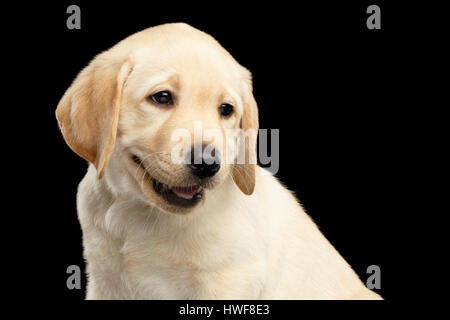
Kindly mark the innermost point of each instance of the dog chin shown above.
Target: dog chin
(169, 198)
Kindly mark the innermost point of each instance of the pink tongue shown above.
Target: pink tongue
(185, 193)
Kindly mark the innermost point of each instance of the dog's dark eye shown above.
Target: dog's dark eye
(226, 109)
(162, 97)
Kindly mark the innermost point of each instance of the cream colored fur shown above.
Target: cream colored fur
(235, 244)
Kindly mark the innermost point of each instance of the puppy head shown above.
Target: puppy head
(157, 115)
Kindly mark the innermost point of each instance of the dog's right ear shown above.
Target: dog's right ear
(88, 112)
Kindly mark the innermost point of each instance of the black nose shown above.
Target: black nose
(204, 163)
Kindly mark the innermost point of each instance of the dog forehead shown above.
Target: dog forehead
(196, 64)
(186, 58)
(189, 70)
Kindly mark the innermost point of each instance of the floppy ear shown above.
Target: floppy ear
(88, 112)
(244, 173)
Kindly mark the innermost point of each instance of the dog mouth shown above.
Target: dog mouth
(181, 196)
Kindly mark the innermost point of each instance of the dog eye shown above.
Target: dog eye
(226, 109)
(162, 97)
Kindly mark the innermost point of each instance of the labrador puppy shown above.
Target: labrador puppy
(155, 228)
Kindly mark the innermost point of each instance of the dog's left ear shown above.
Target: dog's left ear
(88, 112)
(244, 173)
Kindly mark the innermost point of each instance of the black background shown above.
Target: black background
(332, 87)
